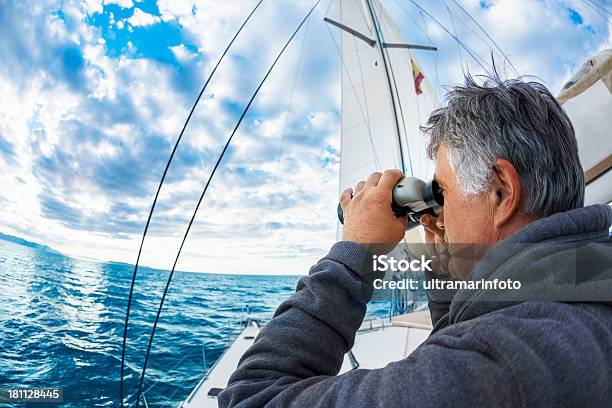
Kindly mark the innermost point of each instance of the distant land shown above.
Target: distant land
(29, 244)
(40, 247)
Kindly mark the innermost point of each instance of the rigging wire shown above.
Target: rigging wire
(434, 56)
(598, 9)
(478, 35)
(437, 91)
(144, 234)
(476, 58)
(210, 177)
(467, 13)
(455, 32)
(599, 6)
(286, 124)
(422, 27)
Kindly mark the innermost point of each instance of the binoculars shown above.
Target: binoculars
(412, 197)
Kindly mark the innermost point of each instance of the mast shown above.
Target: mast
(379, 38)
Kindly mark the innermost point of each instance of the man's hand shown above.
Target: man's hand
(368, 218)
(434, 235)
(456, 260)
(435, 243)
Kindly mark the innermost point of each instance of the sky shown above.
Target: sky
(94, 94)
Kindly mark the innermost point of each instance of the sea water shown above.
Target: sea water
(62, 320)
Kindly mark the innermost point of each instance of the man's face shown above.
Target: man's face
(465, 219)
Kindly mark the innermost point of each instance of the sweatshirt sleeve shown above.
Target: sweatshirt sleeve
(296, 357)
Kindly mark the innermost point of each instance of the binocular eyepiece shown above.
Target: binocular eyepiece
(413, 197)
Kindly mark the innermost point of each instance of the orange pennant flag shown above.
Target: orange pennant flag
(418, 78)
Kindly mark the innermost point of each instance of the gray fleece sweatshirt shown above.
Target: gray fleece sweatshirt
(492, 349)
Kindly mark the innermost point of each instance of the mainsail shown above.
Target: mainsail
(386, 96)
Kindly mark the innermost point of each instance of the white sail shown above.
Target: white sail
(381, 108)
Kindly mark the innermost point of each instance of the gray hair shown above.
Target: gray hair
(519, 121)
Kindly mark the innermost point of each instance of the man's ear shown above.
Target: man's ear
(506, 192)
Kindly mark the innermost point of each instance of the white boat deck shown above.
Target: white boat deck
(381, 345)
(219, 374)
(377, 344)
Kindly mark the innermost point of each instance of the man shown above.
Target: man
(507, 162)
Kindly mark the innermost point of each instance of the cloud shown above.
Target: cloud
(172, 9)
(142, 19)
(182, 53)
(121, 3)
